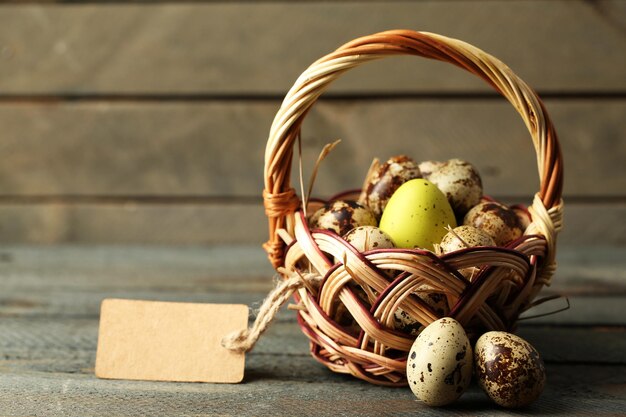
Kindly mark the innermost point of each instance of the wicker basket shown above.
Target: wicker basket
(509, 278)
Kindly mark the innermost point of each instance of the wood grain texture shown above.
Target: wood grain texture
(155, 223)
(47, 359)
(77, 278)
(216, 148)
(71, 340)
(224, 223)
(145, 122)
(260, 48)
(270, 389)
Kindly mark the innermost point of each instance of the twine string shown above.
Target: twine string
(244, 340)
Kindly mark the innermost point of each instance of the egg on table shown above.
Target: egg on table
(341, 216)
(439, 366)
(508, 369)
(417, 215)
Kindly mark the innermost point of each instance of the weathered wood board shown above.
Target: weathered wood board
(302, 388)
(45, 280)
(224, 222)
(47, 353)
(217, 148)
(144, 122)
(261, 47)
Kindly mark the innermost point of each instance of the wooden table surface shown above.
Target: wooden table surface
(49, 305)
(144, 122)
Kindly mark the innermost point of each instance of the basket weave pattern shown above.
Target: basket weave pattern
(373, 285)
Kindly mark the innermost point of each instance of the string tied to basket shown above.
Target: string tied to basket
(244, 340)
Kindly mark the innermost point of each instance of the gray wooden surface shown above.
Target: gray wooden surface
(49, 304)
(143, 122)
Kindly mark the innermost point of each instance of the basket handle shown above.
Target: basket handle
(279, 196)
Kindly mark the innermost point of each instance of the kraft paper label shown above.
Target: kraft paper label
(166, 341)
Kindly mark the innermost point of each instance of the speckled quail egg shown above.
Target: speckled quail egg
(341, 216)
(428, 167)
(508, 369)
(460, 182)
(495, 219)
(416, 215)
(343, 317)
(523, 215)
(365, 238)
(386, 180)
(439, 366)
(465, 237)
(405, 323)
(437, 301)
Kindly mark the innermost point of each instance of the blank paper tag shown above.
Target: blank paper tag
(163, 341)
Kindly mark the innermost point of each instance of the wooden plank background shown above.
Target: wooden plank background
(147, 122)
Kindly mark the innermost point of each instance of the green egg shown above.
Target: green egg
(417, 215)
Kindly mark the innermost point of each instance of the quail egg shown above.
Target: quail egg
(523, 215)
(439, 366)
(495, 219)
(508, 369)
(342, 316)
(437, 301)
(460, 182)
(465, 237)
(428, 167)
(341, 216)
(365, 238)
(386, 180)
